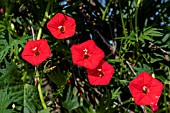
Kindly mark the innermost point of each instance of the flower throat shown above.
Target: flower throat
(36, 52)
(86, 55)
(145, 90)
(62, 29)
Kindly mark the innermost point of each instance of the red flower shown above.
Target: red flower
(87, 54)
(35, 52)
(62, 26)
(101, 75)
(146, 90)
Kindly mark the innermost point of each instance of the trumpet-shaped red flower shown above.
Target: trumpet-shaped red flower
(62, 26)
(146, 90)
(35, 52)
(101, 75)
(87, 54)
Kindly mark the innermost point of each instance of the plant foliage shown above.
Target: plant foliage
(134, 35)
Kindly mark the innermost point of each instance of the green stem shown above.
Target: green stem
(40, 91)
(164, 91)
(24, 78)
(165, 100)
(136, 28)
(123, 23)
(136, 15)
(39, 33)
(109, 100)
(44, 20)
(7, 10)
(106, 9)
(124, 31)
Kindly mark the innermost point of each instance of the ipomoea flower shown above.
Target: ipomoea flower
(87, 54)
(62, 26)
(36, 51)
(146, 90)
(101, 75)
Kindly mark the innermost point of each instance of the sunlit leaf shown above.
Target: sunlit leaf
(166, 37)
(115, 93)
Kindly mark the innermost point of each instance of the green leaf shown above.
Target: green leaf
(155, 60)
(59, 78)
(145, 37)
(71, 101)
(124, 82)
(10, 68)
(86, 110)
(11, 47)
(7, 111)
(25, 96)
(168, 43)
(145, 68)
(159, 55)
(18, 20)
(115, 93)
(152, 32)
(47, 110)
(10, 76)
(5, 100)
(2, 26)
(113, 60)
(166, 37)
(30, 99)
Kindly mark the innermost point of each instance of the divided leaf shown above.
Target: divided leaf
(12, 47)
(71, 101)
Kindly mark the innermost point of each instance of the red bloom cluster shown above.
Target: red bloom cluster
(146, 90)
(90, 56)
(35, 52)
(62, 26)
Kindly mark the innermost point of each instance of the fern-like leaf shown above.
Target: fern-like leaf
(26, 97)
(30, 100)
(150, 32)
(9, 75)
(5, 101)
(71, 101)
(11, 47)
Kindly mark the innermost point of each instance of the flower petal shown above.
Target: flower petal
(154, 89)
(95, 53)
(95, 79)
(28, 53)
(62, 20)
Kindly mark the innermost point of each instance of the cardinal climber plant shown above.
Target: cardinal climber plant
(84, 56)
